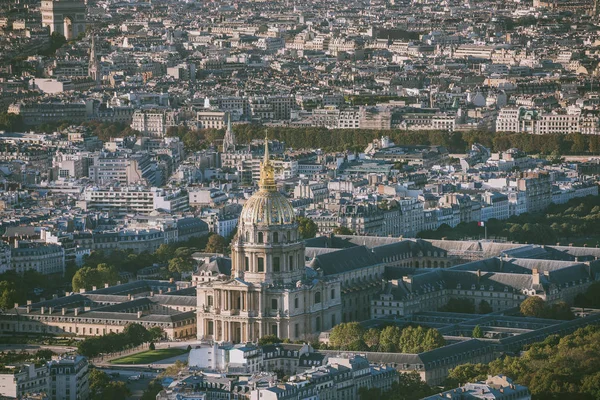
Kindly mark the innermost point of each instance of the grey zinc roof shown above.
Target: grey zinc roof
(345, 260)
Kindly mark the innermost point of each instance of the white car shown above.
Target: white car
(133, 378)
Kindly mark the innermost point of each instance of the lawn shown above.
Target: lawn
(149, 356)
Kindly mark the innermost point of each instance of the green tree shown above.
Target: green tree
(87, 277)
(533, 307)
(8, 295)
(180, 265)
(417, 340)
(389, 339)
(136, 334)
(466, 373)
(477, 332)
(560, 310)
(164, 253)
(459, 306)
(268, 339)
(154, 387)
(216, 244)
(156, 333)
(371, 338)
(307, 227)
(115, 391)
(484, 307)
(97, 381)
(345, 335)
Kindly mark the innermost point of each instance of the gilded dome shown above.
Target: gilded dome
(267, 206)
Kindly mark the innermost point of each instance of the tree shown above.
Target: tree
(136, 334)
(180, 265)
(477, 332)
(342, 230)
(164, 253)
(346, 335)
(153, 389)
(268, 339)
(417, 340)
(533, 306)
(466, 373)
(97, 381)
(371, 338)
(560, 310)
(216, 244)
(87, 277)
(152, 346)
(389, 339)
(115, 391)
(8, 295)
(484, 307)
(307, 227)
(156, 333)
(459, 306)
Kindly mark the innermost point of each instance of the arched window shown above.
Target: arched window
(247, 236)
(317, 297)
(275, 237)
(260, 237)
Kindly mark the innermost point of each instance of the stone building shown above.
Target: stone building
(67, 17)
(269, 290)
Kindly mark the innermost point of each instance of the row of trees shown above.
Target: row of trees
(557, 368)
(456, 142)
(15, 288)
(133, 335)
(176, 258)
(411, 339)
(579, 218)
(467, 306)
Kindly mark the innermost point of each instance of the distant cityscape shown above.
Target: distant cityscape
(388, 200)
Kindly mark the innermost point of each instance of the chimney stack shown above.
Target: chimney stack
(139, 314)
(106, 285)
(16, 305)
(50, 309)
(94, 288)
(64, 311)
(82, 290)
(42, 310)
(76, 311)
(28, 302)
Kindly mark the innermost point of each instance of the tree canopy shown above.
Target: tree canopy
(307, 228)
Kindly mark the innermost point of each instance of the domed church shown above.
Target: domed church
(270, 290)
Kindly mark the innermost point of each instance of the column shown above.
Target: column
(249, 326)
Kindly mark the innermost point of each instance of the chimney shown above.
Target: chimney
(16, 305)
(28, 302)
(151, 294)
(160, 291)
(129, 296)
(64, 311)
(478, 275)
(76, 311)
(82, 290)
(171, 280)
(118, 282)
(169, 289)
(42, 310)
(94, 288)
(535, 277)
(28, 309)
(50, 309)
(106, 285)
(139, 314)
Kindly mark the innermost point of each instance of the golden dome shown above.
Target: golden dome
(267, 206)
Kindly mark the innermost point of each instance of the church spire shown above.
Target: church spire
(267, 172)
(93, 64)
(229, 139)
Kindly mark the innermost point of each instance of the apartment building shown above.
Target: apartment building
(69, 378)
(43, 258)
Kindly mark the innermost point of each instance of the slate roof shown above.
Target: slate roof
(345, 260)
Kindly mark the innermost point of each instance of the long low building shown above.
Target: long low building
(163, 304)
